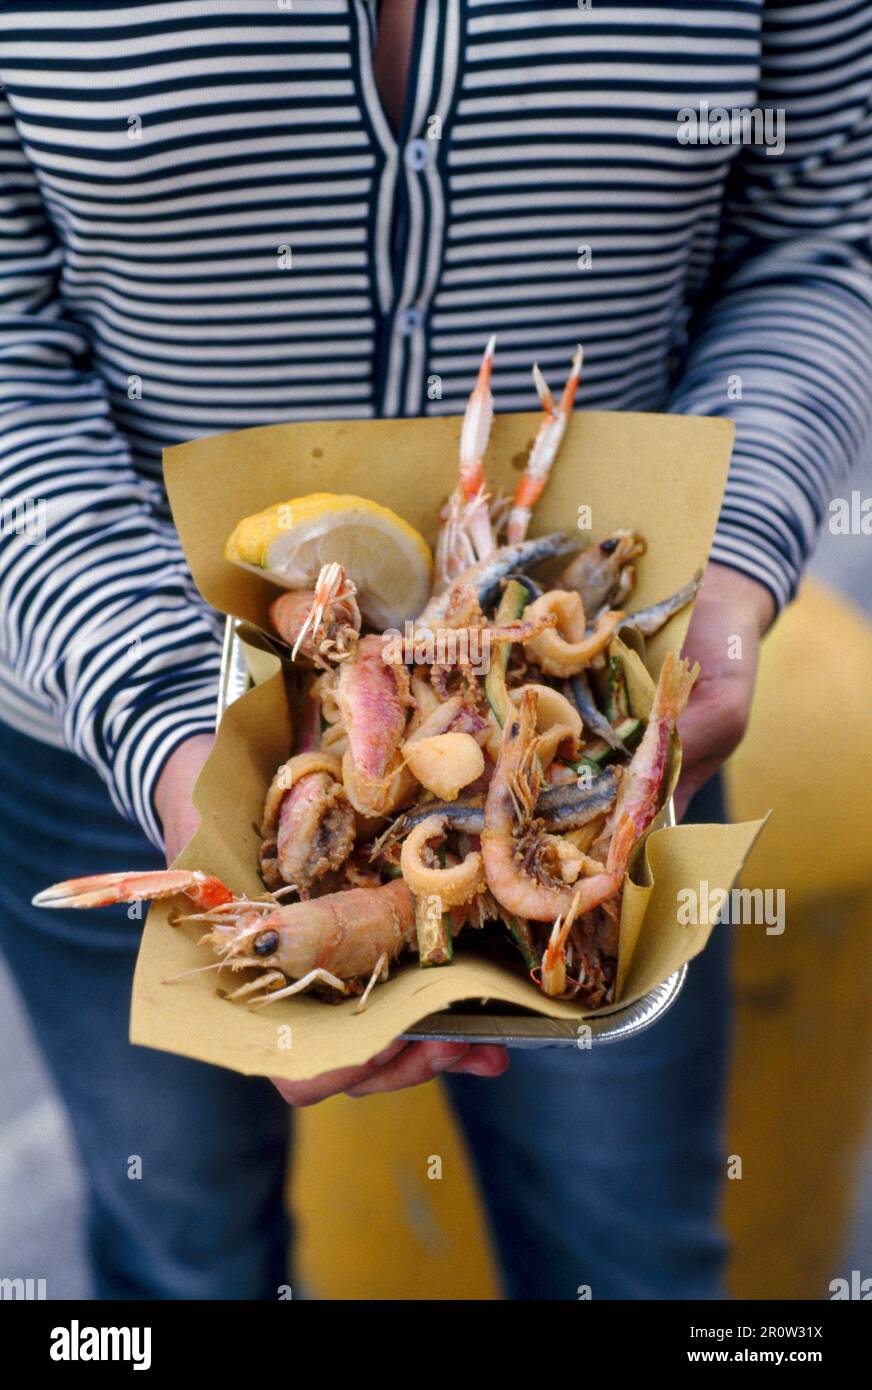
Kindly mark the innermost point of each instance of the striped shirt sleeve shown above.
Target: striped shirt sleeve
(780, 343)
(99, 615)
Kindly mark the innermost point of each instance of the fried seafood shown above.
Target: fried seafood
(545, 447)
(467, 534)
(335, 943)
(485, 766)
(486, 576)
(373, 697)
(569, 646)
(638, 800)
(604, 575)
(322, 626)
(530, 872)
(309, 826)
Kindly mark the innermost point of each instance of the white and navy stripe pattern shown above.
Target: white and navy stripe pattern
(156, 157)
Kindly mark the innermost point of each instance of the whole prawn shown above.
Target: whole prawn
(343, 942)
(527, 871)
(639, 795)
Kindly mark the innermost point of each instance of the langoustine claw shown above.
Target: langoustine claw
(100, 890)
(544, 450)
(467, 534)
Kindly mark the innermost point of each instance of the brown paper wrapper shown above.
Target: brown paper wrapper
(660, 475)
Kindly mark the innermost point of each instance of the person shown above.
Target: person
(219, 215)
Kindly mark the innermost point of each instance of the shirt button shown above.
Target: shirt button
(410, 321)
(417, 154)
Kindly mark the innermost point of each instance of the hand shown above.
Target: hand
(174, 791)
(399, 1065)
(731, 614)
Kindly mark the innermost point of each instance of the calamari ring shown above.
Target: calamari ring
(455, 885)
(564, 650)
(290, 773)
(556, 719)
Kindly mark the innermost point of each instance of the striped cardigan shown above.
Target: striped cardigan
(206, 222)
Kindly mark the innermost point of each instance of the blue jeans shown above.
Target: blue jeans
(600, 1168)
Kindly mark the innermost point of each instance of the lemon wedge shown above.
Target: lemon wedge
(388, 560)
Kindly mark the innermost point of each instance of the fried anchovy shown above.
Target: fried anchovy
(486, 576)
(591, 717)
(569, 806)
(566, 807)
(650, 620)
(467, 816)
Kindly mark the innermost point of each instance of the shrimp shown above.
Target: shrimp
(336, 942)
(309, 826)
(544, 450)
(531, 874)
(605, 574)
(639, 795)
(322, 626)
(373, 697)
(467, 533)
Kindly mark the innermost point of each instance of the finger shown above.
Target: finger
(482, 1060)
(318, 1088)
(476, 1060)
(333, 1083)
(419, 1062)
(387, 1054)
(710, 729)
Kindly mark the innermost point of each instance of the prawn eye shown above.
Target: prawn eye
(266, 943)
(608, 546)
